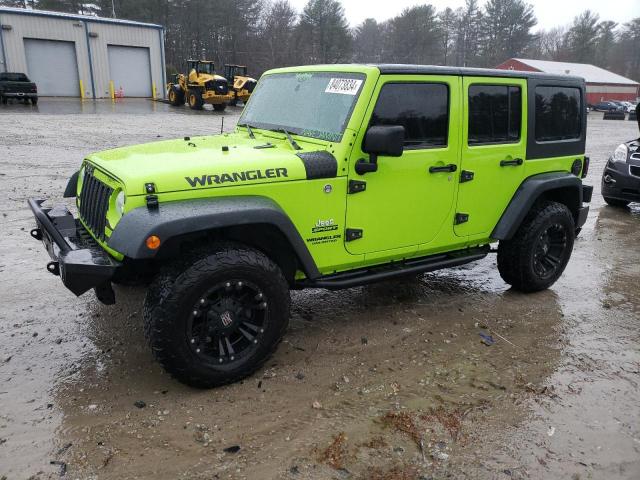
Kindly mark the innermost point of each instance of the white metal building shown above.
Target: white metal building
(82, 56)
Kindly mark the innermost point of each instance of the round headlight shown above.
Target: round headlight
(620, 154)
(120, 199)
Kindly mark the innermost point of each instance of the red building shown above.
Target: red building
(602, 84)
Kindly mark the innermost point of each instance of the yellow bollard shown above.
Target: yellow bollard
(81, 90)
(153, 90)
(112, 90)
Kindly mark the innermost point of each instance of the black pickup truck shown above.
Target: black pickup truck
(17, 85)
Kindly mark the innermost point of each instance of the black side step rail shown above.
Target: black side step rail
(365, 276)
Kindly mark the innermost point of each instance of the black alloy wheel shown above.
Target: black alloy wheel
(228, 321)
(550, 251)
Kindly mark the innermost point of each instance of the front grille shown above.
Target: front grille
(94, 203)
(634, 170)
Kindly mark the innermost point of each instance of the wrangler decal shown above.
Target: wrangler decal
(233, 177)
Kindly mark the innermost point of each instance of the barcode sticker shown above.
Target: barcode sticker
(345, 86)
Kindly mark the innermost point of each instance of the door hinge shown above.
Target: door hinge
(352, 234)
(461, 218)
(466, 176)
(152, 202)
(357, 186)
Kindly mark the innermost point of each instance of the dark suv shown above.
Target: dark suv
(17, 85)
(621, 176)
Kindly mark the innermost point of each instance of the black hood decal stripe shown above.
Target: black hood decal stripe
(319, 164)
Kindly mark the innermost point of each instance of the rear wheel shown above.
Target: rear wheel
(539, 251)
(614, 202)
(34, 100)
(217, 317)
(4, 99)
(176, 96)
(219, 107)
(195, 99)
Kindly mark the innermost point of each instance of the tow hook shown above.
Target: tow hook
(54, 268)
(609, 179)
(36, 233)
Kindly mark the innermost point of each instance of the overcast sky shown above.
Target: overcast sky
(550, 13)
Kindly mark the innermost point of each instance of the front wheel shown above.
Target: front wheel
(539, 251)
(217, 317)
(195, 99)
(614, 202)
(34, 100)
(176, 96)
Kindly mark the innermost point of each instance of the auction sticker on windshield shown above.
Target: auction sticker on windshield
(345, 86)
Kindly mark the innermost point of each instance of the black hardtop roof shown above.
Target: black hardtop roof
(399, 69)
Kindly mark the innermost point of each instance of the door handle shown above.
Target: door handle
(452, 167)
(511, 163)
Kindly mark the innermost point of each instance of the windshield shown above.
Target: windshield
(14, 77)
(204, 67)
(311, 104)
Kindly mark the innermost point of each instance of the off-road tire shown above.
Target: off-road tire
(519, 256)
(195, 99)
(34, 101)
(614, 202)
(176, 96)
(219, 107)
(169, 304)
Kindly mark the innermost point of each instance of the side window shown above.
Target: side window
(558, 114)
(421, 108)
(495, 114)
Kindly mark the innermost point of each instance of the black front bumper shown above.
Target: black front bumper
(618, 182)
(76, 257)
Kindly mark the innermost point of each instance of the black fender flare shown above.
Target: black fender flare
(529, 192)
(173, 219)
(72, 186)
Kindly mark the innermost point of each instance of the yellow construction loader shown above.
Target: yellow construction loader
(201, 85)
(241, 85)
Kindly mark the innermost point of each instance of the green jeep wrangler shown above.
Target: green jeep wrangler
(335, 176)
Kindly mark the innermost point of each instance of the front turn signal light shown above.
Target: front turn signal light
(153, 242)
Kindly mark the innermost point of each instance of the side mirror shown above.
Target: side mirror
(387, 140)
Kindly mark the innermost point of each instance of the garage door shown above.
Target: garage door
(130, 69)
(53, 66)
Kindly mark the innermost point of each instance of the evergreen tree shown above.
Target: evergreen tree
(414, 36)
(507, 30)
(369, 42)
(582, 37)
(323, 32)
(605, 43)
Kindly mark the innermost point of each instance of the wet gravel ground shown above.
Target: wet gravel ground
(389, 381)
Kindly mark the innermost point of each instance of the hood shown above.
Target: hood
(204, 162)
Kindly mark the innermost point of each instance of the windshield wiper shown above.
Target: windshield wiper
(248, 127)
(293, 143)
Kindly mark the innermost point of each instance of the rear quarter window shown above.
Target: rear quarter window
(558, 113)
